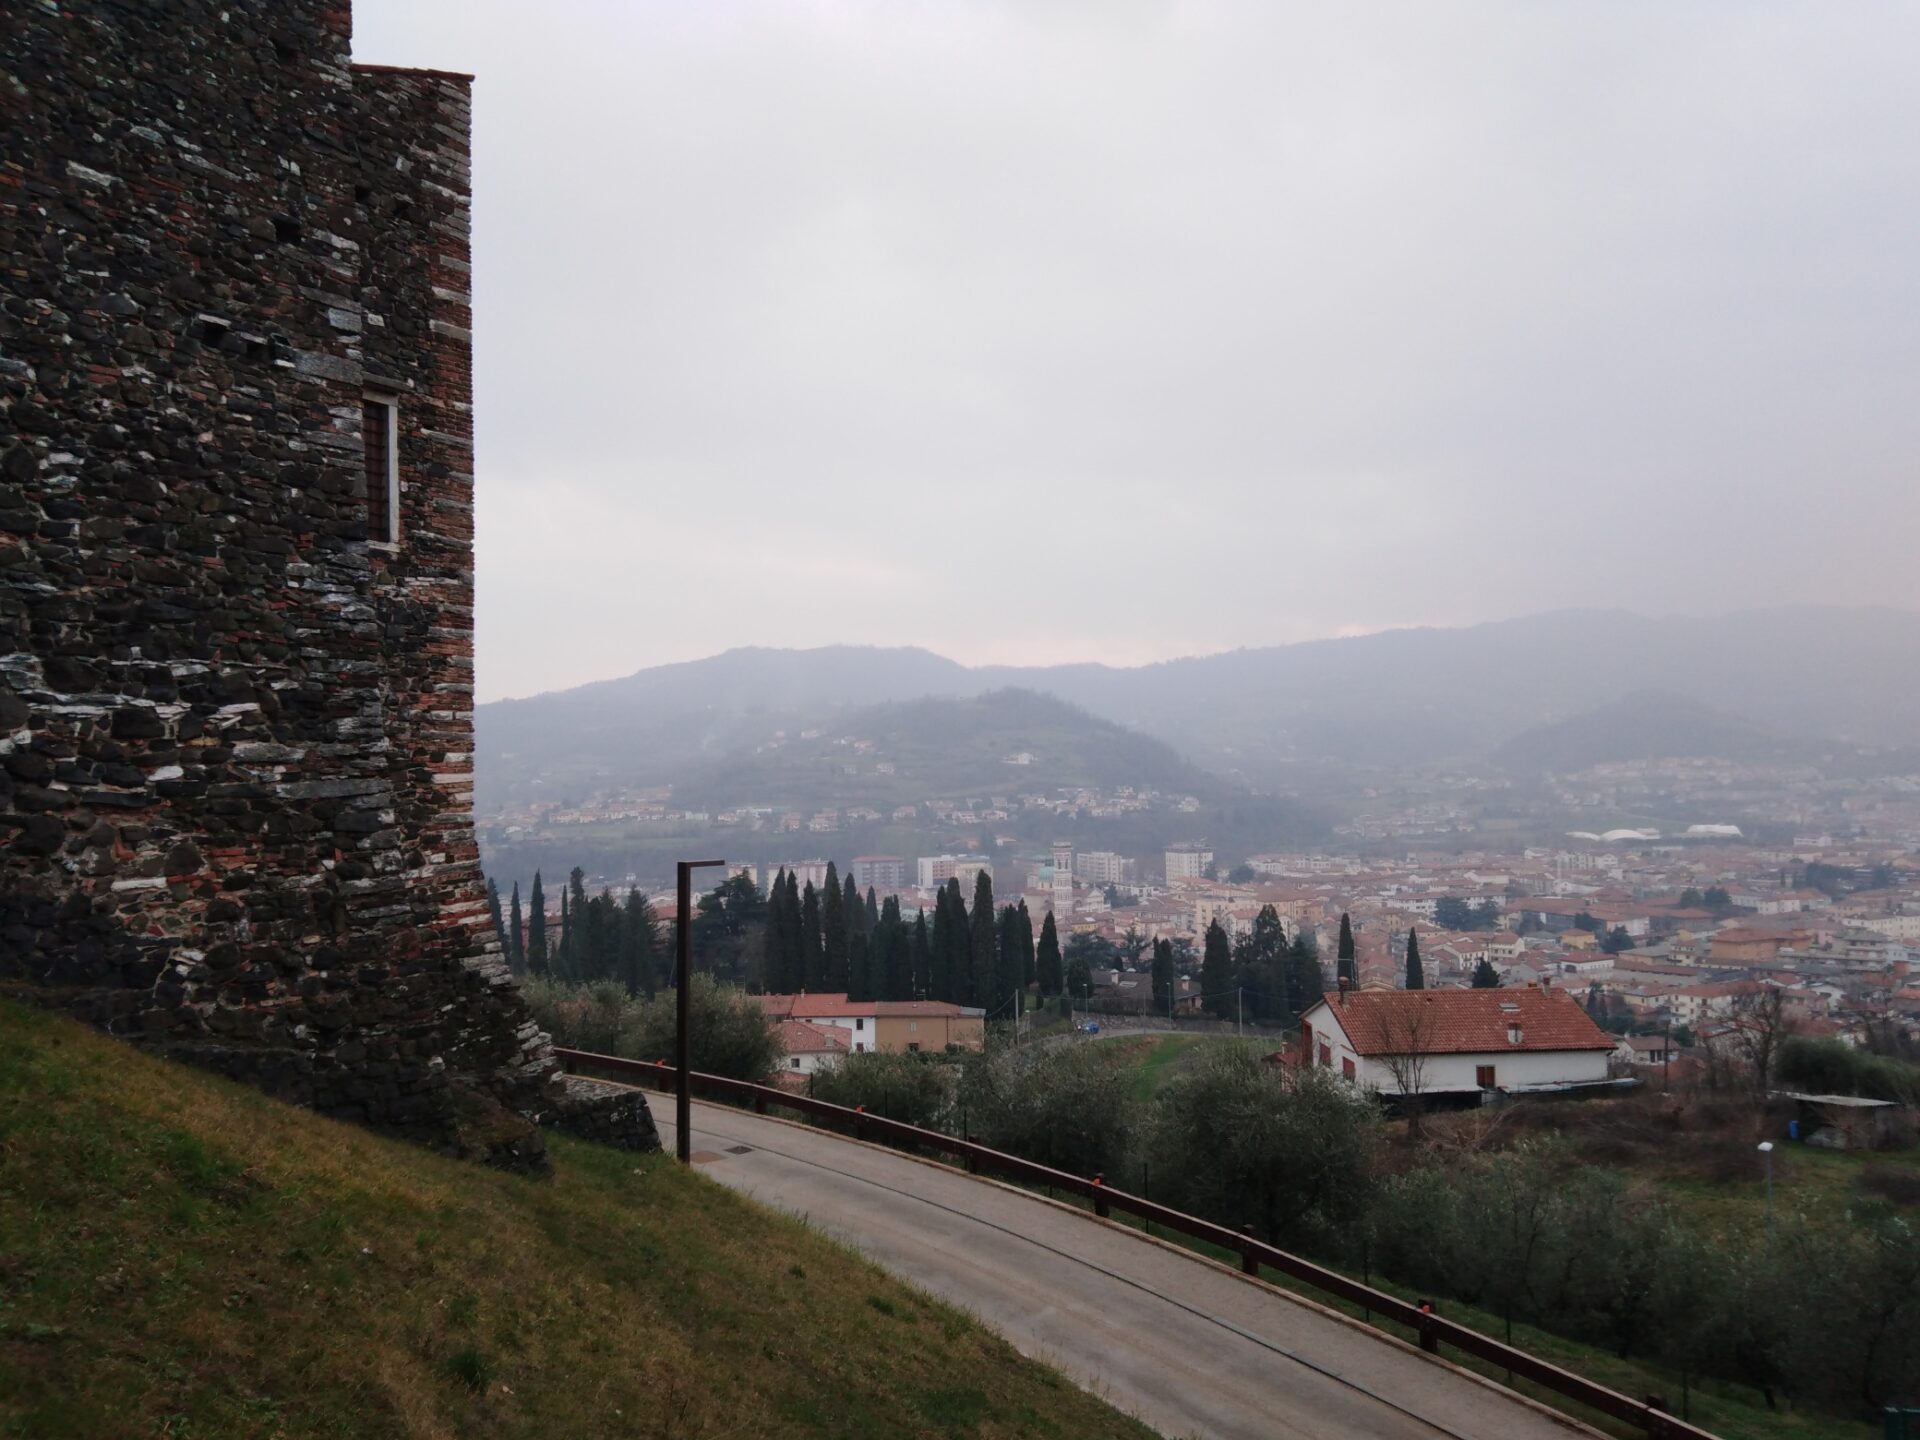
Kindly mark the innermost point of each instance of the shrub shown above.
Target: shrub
(1238, 1141)
(727, 1031)
(1829, 1067)
(1067, 1106)
(912, 1088)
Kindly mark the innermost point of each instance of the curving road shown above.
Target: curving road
(1191, 1348)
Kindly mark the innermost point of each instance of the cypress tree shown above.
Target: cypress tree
(919, 959)
(1485, 977)
(1006, 962)
(563, 961)
(1216, 973)
(958, 960)
(1026, 945)
(792, 957)
(1305, 981)
(873, 911)
(516, 940)
(590, 919)
(1048, 972)
(1260, 966)
(865, 967)
(639, 943)
(939, 986)
(1416, 977)
(898, 970)
(833, 931)
(772, 945)
(1163, 976)
(813, 958)
(984, 946)
(539, 961)
(1348, 970)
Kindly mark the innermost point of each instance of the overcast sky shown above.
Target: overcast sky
(1114, 331)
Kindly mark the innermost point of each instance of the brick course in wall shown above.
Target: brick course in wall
(235, 723)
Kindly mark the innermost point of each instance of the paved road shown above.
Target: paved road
(1191, 1349)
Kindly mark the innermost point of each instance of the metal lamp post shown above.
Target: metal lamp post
(683, 971)
(1766, 1152)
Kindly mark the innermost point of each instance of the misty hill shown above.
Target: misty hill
(1646, 725)
(1402, 697)
(998, 743)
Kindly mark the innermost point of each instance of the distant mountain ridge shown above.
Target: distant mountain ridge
(1646, 725)
(1002, 741)
(1265, 715)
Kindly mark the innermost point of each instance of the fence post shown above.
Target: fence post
(759, 1103)
(859, 1122)
(1429, 1341)
(1248, 1264)
(1100, 1196)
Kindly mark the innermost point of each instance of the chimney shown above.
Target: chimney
(1346, 983)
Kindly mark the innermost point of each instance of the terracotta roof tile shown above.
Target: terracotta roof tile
(1383, 1022)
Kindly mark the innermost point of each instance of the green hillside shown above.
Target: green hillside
(947, 747)
(181, 1256)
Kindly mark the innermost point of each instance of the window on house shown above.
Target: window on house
(796, 1062)
(1346, 1066)
(859, 1024)
(1326, 1056)
(380, 441)
(1483, 1076)
(913, 1025)
(913, 1047)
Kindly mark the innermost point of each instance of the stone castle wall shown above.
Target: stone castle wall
(235, 724)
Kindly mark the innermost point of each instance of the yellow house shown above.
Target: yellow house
(930, 1025)
(898, 1026)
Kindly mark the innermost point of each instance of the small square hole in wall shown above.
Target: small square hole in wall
(402, 209)
(362, 193)
(286, 229)
(209, 330)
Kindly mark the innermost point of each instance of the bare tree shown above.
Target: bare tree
(1408, 1027)
(1759, 1024)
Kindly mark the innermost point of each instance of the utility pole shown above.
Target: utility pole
(1239, 1012)
(1766, 1150)
(683, 974)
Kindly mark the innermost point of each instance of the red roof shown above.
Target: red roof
(813, 1007)
(797, 1037)
(836, 1005)
(1443, 1022)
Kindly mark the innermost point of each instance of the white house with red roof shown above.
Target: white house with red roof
(1436, 1042)
(809, 1046)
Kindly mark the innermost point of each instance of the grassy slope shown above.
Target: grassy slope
(182, 1256)
(1157, 1059)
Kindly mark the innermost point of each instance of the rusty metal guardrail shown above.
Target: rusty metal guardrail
(1432, 1330)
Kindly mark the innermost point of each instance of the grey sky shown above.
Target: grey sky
(1044, 331)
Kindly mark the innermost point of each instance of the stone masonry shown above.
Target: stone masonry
(236, 676)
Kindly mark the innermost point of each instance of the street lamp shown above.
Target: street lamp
(1766, 1151)
(683, 937)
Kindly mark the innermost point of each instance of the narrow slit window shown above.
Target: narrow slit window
(380, 436)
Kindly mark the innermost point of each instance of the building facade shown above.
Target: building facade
(1187, 862)
(1440, 1042)
(883, 874)
(236, 565)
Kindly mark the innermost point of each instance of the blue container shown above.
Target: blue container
(1793, 1129)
